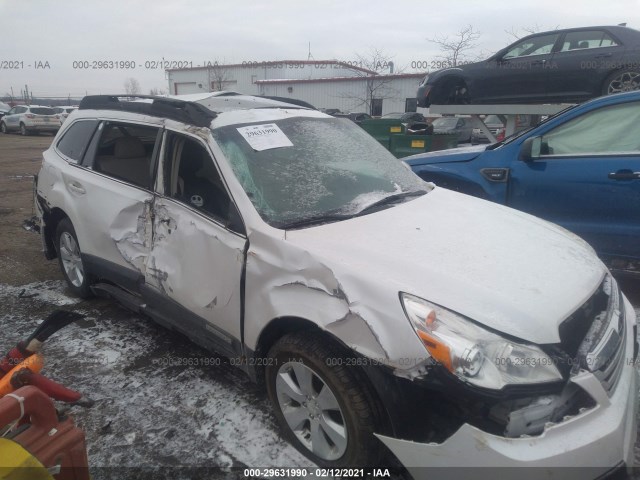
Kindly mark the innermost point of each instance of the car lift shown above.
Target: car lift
(508, 112)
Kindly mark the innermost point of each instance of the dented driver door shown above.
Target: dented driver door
(194, 269)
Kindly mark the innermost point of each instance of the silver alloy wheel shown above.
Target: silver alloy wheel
(625, 82)
(71, 260)
(311, 410)
(3, 127)
(23, 129)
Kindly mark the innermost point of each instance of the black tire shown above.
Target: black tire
(3, 127)
(23, 130)
(455, 92)
(359, 411)
(625, 80)
(78, 285)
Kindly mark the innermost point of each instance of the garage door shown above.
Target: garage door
(186, 87)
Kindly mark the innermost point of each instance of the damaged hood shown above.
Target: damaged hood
(503, 268)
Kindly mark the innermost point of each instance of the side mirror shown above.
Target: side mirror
(530, 149)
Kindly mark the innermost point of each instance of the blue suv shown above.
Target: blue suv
(579, 169)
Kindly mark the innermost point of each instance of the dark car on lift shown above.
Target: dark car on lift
(569, 65)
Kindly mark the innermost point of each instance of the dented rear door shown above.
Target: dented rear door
(111, 213)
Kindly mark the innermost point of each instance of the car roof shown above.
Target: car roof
(618, 30)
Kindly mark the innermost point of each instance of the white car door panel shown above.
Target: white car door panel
(197, 263)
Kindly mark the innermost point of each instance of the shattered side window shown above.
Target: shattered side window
(302, 167)
(75, 140)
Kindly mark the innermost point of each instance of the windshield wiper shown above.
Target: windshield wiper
(313, 220)
(334, 216)
(389, 200)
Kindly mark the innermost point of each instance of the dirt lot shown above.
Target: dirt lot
(20, 251)
(161, 402)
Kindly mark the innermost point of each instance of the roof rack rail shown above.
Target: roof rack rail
(179, 110)
(293, 101)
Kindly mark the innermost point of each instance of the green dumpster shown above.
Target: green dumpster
(405, 145)
(382, 129)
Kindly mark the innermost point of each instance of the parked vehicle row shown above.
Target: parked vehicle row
(28, 119)
(560, 66)
(462, 127)
(257, 231)
(496, 126)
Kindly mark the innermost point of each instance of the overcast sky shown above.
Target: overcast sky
(57, 33)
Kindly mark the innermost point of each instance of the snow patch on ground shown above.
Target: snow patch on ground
(50, 292)
(161, 401)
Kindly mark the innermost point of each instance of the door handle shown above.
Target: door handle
(538, 62)
(602, 55)
(77, 188)
(624, 175)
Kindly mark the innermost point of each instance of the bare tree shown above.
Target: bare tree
(132, 86)
(157, 91)
(454, 49)
(374, 66)
(375, 60)
(517, 34)
(218, 76)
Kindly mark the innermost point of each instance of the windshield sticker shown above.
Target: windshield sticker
(265, 137)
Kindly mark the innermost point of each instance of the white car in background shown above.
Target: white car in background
(28, 119)
(64, 112)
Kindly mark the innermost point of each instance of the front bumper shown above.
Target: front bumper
(587, 445)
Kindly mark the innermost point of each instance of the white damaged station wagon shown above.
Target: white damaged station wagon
(389, 319)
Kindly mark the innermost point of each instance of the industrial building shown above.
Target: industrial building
(327, 84)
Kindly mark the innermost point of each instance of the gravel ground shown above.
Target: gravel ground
(149, 411)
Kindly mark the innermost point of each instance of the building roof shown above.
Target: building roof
(275, 63)
(395, 76)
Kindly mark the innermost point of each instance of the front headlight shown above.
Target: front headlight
(473, 354)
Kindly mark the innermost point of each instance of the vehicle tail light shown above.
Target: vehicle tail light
(30, 115)
(501, 134)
